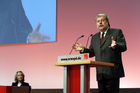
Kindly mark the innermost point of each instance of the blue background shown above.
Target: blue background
(43, 12)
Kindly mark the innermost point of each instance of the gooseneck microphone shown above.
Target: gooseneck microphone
(76, 42)
(88, 40)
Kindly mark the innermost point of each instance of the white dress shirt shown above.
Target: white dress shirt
(102, 33)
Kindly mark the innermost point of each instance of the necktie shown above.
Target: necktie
(102, 37)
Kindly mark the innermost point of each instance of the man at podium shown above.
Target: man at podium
(106, 45)
(19, 80)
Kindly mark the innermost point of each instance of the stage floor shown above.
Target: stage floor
(122, 90)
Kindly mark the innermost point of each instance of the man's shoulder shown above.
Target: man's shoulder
(96, 34)
(115, 30)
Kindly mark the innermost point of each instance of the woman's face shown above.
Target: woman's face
(19, 76)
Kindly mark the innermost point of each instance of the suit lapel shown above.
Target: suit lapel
(98, 39)
(106, 37)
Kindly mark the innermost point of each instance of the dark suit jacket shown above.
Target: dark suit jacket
(103, 53)
(23, 84)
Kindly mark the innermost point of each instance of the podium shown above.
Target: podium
(77, 75)
(20, 89)
(5, 89)
(11, 89)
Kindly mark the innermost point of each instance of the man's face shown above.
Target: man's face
(102, 23)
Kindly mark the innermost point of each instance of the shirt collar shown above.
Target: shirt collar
(104, 32)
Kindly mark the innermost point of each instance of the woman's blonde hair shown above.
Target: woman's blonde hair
(16, 80)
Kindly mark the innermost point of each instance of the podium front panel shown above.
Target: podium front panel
(20, 90)
(5, 89)
(76, 79)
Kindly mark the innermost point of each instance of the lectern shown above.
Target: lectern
(5, 89)
(21, 89)
(77, 72)
(11, 89)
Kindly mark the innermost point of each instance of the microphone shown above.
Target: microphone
(88, 40)
(76, 42)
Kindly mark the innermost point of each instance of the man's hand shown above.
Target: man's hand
(113, 44)
(78, 47)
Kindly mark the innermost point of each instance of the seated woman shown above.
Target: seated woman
(19, 80)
